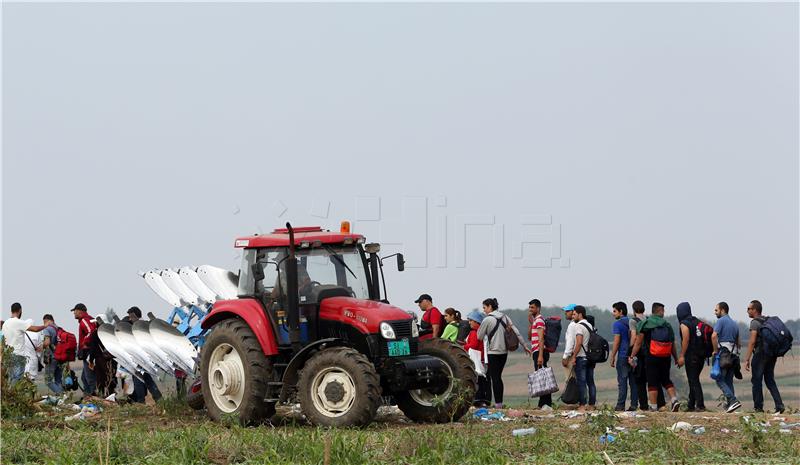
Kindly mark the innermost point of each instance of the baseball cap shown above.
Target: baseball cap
(424, 297)
(79, 307)
(570, 307)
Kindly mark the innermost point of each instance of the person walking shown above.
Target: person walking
(538, 353)
(86, 327)
(575, 354)
(638, 362)
(493, 328)
(14, 333)
(619, 357)
(658, 338)
(453, 319)
(52, 368)
(763, 365)
(726, 339)
(693, 354)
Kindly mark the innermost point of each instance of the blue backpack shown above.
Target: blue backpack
(775, 337)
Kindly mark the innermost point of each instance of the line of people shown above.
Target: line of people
(642, 352)
(52, 348)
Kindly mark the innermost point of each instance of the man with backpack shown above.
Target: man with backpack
(726, 344)
(655, 334)
(575, 355)
(619, 357)
(52, 369)
(765, 354)
(696, 347)
(86, 328)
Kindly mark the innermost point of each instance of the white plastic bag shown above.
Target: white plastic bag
(475, 356)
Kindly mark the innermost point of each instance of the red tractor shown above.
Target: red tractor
(311, 325)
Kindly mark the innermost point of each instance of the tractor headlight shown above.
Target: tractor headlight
(387, 331)
(414, 328)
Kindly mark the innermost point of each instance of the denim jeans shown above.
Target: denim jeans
(140, 388)
(580, 377)
(624, 378)
(590, 383)
(725, 383)
(18, 363)
(764, 368)
(88, 379)
(52, 376)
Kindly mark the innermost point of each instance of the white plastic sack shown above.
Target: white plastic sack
(475, 356)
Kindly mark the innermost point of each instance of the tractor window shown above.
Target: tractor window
(267, 260)
(328, 267)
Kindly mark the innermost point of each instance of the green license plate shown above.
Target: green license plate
(398, 348)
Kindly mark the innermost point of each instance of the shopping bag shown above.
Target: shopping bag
(716, 371)
(542, 382)
(475, 356)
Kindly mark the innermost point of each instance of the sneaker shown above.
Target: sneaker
(676, 405)
(758, 410)
(733, 407)
(701, 409)
(619, 409)
(780, 410)
(632, 408)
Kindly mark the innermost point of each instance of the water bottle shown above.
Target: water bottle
(523, 431)
(634, 361)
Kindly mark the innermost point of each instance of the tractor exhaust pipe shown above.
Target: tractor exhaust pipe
(291, 293)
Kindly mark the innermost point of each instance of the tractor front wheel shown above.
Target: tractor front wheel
(339, 387)
(447, 404)
(235, 373)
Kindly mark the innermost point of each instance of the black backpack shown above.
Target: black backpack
(552, 333)
(699, 336)
(597, 347)
(774, 337)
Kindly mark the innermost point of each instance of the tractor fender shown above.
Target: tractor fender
(290, 375)
(252, 313)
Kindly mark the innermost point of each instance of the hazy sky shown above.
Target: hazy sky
(661, 140)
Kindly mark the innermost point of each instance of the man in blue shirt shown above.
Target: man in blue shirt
(726, 338)
(619, 357)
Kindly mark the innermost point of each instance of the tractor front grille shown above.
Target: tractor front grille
(402, 330)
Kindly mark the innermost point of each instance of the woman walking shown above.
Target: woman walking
(492, 331)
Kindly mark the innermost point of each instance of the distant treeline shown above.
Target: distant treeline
(604, 319)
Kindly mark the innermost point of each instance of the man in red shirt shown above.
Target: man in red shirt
(431, 316)
(86, 326)
(538, 353)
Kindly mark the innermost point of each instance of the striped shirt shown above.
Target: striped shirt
(537, 323)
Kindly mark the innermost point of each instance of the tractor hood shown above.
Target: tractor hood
(365, 315)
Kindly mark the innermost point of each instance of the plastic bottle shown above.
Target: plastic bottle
(523, 431)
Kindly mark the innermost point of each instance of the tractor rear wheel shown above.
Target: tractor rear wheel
(235, 373)
(339, 387)
(450, 403)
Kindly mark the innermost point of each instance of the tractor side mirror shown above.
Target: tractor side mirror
(401, 262)
(258, 272)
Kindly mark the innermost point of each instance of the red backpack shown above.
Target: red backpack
(66, 346)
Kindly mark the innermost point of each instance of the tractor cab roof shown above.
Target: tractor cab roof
(303, 234)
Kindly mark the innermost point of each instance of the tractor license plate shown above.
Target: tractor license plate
(398, 348)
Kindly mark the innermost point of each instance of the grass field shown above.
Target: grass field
(171, 433)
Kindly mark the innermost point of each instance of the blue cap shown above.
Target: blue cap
(569, 307)
(475, 316)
